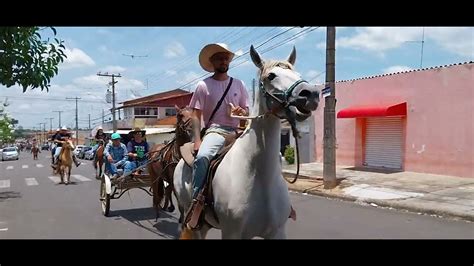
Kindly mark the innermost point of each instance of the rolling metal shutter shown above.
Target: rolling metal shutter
(383, 143)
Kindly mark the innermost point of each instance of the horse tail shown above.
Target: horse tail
(156, 186)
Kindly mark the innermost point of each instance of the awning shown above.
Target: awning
(374, 110)
(148, 130)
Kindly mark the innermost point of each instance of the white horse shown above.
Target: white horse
(251, 198)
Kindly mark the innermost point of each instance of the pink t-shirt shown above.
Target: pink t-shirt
(209, 92)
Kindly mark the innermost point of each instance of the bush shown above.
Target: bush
(289, 154)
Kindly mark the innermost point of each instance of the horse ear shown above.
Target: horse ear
(292, 58)
(255, 57)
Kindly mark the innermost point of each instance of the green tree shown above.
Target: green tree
(6, 129)
(289, 154)
(26, 59)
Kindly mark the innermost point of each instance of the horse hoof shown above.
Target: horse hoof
(170, 209)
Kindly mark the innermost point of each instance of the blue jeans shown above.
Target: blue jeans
(111, 167)
(56, 153)
(130, 166)
(211, 144)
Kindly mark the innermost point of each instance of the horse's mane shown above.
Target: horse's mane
(269, 65)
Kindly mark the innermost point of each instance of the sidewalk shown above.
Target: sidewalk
(446, 196)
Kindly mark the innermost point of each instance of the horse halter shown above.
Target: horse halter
(282, 97)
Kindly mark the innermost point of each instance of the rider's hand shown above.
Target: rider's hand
(237, 110)
(111, 160)
(197, 144)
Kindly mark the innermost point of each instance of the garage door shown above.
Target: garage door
(383, 143)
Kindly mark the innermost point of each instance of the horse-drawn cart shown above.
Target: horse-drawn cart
(111, 189)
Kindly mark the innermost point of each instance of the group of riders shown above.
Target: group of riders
(116, 154)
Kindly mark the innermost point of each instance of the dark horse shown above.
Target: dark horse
(99, 160)
(165, 160)
(35, 151)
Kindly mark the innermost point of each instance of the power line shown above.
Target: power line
(77, 122)
(49, 99)
(265, 51)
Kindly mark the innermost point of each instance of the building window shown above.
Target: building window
(170, 112)
(146, 112)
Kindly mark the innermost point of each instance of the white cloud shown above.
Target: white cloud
(239, 52)
(174, 49)
(457, 40)
(24, 106)
(188, 77)
(32, 107)
(314, 76)
(91, 81)
(379, 39)
(311, 73)
(76, 58)
(113, 69)
(171, 72)
(103, 48)
(395, 69)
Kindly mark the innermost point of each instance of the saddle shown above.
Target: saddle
(206, 195)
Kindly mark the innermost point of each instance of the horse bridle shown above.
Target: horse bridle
(282, 98)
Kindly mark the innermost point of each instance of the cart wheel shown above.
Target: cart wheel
(104, 198)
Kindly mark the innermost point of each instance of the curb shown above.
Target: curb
(392, 204)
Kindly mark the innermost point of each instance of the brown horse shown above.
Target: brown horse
(65, 161)
(166, 157)
(35, 151)
(99, 161)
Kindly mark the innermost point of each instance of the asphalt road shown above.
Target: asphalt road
(34, 206)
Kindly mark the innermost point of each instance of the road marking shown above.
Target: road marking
(24, 166)
(55, 179)
(39, 165)
(31, 181)
(4, 229)
(81, 178)
(5, 183)
(10, 167)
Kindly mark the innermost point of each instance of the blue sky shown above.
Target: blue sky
(172, 61)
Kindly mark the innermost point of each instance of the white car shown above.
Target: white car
(10, 153)
(78, 149)
(89, 155)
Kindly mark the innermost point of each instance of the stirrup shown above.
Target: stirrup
(193, 216)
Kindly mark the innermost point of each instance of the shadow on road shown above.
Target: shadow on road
(9, 195)
(166, 226)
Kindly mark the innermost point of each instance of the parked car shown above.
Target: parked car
(83, 152)
(45, 147)
(89, 155)
(78, 149)
(10, 153)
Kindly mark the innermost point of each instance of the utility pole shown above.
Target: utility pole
(114, 122)
(89, 121)
(50, 123)
(41, 131)
(103, 115)
(77, 122)
(59, 123)
(329, 170)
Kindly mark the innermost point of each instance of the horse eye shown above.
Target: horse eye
(271, 76)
